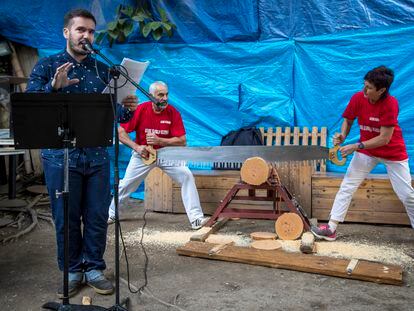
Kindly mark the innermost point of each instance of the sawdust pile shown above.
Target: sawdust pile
(349, 250)
(173, 238)
(379, 253)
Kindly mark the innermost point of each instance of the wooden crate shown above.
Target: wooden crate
(164, 195)
(373, 202)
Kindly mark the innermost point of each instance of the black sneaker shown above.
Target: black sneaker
(74, 287)
(102, 286)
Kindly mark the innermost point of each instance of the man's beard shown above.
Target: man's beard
(75, 48)
(162, 105)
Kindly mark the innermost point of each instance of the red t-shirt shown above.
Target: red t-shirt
(166, 124)
(370, 119)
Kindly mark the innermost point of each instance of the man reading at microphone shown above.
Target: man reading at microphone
(158, 125)
(75, 71)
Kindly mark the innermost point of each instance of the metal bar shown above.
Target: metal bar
(255, 198)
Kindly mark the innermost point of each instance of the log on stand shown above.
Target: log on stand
(255, 171)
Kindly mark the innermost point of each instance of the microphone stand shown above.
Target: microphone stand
(115, 73)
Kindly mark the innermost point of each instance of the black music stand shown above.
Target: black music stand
(62, 121)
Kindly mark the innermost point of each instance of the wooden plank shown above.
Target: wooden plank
(287, 135)
(207, 195)
(365, 270)
(314, 140)
(153, 190)
(365, 216)
(388, 205)
(305, 136)
(269, 135)
(149, 191)
(294, 179)
(167, 189)
(361, 193)
(36, 161)
(374, 181)
(212, 182)
(278, 141)
(262, 131)
(296, 134)
(323, 143)
(209, 230)
(304, 188)
(210, 207)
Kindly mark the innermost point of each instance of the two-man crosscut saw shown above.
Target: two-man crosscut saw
(238, 154)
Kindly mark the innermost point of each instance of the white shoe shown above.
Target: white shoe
(199, 222)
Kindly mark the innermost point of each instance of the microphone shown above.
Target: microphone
(87, 46)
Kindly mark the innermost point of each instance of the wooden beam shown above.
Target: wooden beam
(365, 270)
(209, 230)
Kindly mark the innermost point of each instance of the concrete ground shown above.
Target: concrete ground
(29, 276)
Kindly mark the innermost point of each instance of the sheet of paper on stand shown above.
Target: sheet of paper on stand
(135, 70)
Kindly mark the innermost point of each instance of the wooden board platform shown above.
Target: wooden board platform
(365, 270)
(164, 195)
(374, 202)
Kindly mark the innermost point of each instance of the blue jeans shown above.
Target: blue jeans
(89, 198)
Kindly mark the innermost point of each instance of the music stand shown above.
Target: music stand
(62, 121)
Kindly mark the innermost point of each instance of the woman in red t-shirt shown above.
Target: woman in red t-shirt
(381, 141)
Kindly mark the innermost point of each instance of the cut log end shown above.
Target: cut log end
(266, 244)
(255, 171)
(289, 226)
(307, 244)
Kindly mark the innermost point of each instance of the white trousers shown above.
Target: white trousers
(361, 165)
(136, 173)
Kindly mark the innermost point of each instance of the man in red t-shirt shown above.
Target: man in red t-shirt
(157, 126)
(381, 141)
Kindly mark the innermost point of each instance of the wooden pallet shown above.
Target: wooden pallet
(164, 195)
(365, 270)
(374, 202)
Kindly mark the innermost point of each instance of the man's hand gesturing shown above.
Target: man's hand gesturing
(60, 79)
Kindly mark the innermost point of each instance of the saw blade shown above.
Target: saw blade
(239, 154)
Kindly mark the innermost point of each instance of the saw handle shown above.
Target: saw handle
(334, 151)
(333, 156)
(152, 156)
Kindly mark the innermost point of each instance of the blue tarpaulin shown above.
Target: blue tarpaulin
(266, 63)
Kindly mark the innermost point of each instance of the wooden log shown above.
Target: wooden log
(351, 266)
(289, 226)
(219, 239)
(266, 244)
(365, 270)
(255, 171)
(263, 236)
(307, 243)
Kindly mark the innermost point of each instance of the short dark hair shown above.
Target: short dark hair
(67, 20)
(380, 77)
